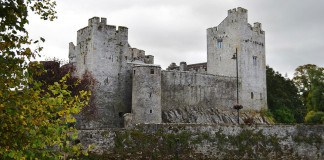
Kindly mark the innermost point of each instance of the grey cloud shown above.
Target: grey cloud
(175, 31)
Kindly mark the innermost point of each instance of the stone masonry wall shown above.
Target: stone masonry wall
(189, 97)
(207, 141)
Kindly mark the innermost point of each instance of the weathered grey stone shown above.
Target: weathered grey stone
(209, 141)
(146, 97)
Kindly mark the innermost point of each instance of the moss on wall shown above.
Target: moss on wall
(213, 142)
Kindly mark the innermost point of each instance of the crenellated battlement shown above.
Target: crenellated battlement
(96, 21)
(257, 27)
(101, 24)
(238, 10)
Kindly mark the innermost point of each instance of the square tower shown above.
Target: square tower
(235, 36)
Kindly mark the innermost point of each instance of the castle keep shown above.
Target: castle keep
(130, 89)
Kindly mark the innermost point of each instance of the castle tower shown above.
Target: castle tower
(102, 51)
(233, 34)
(146, 94)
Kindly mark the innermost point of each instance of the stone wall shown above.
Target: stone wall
(189, 97)
(197, 141)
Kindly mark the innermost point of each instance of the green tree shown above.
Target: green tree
(34, 121)
(283, 98)
(309, 79)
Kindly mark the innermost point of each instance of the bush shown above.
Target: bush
(315, 117)
(283, 115)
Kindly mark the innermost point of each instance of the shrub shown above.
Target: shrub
(315, 117)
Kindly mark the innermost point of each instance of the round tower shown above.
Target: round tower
(146, 94)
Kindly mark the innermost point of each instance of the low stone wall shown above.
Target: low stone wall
(207, 141)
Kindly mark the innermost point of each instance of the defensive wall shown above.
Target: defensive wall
(207, 141)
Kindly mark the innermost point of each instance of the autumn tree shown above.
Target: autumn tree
(34, 120)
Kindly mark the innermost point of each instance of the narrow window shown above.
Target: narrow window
(150, 111)
(254, 60)
(252, 95)
(219, 43)
(261, 96)
(150, 95)
(134, 71)
(152, 71)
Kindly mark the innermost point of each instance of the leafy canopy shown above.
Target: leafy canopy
(35, 120)
(283, 98)
(309, 79)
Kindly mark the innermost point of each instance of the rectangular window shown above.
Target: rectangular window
(252, 95)
(219, 43)
(254, 60)
(152, 71)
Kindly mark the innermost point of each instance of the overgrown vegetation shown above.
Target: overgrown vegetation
(176, 142)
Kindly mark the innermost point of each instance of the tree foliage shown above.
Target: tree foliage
(34, 116)
(309, 79)
(315, 117)
(283, 98)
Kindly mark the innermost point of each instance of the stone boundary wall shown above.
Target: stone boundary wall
(207, 141)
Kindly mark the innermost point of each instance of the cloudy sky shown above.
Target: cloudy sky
(175, 30)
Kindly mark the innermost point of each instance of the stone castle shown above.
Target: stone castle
(130, 89)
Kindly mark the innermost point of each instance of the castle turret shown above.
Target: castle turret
(146, 94)
(235, 34)
(102, 51)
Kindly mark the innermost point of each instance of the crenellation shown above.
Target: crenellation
(238, 10)
(93, 21)
(183, 66)
(103, 21)
(149, 59)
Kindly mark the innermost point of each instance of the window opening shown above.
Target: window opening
(252, 95)
(254, 60)
(152, 71)
(134, 71)
(219, 43)
(261, 96)
(150, 111)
